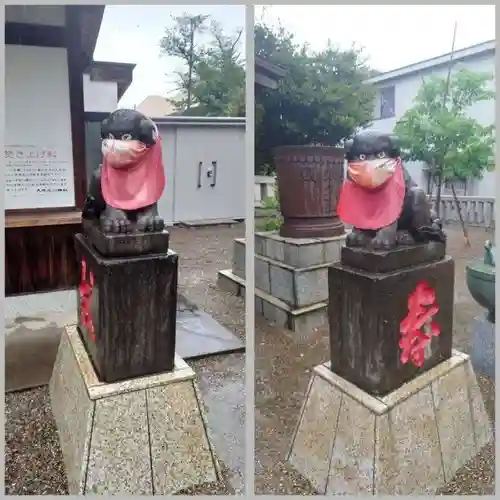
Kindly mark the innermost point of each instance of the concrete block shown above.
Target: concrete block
(311, 286)
(141, 436)
(262, 279)
(282, 284)
(259, 306)
(224, 282)
(308, 320)
(409, 442)
(239, 257)
(275, 314)
(304, 255)
(274, 249)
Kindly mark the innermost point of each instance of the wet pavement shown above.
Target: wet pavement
(283, 365)
(33, 457)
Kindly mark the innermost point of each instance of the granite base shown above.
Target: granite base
(409, 442)
(146, 435)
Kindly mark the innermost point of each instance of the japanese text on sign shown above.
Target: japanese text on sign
(37, 177)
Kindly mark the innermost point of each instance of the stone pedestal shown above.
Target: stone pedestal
(127, 302)
(369, 299)
(410, 442)
(144, 436)
(483, 346)
(291, 278)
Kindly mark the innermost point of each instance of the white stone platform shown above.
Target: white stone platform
(142, 436)
(410, 442)
(291, 278)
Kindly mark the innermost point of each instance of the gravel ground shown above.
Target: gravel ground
(283, 362)
(33, 462)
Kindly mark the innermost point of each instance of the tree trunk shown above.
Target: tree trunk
(190, 64)
(462, 222)
(439, 184)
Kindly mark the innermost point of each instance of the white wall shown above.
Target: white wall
(99, 96)
(406, 89)
(184, 147)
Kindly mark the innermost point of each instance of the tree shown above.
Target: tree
(180, 41)
(219, 85)
(438, 131)
(322, 100)
(214, 81)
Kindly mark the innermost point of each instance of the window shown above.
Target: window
(387, 102)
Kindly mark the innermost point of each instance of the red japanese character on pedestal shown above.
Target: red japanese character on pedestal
(418, 327)
(85, 290)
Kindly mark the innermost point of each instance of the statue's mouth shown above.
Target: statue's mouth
(123, 154)
(371, 174)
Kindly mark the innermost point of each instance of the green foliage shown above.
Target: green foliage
(213, 83)
(180, 41)
(322, 100)
(274, 220)
(438, 131)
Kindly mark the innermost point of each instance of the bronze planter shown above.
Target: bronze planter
(309, 182)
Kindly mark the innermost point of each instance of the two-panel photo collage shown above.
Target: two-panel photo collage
(249, 249)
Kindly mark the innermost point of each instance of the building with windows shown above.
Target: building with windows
(397, 89)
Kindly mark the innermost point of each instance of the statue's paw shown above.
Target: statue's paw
(405, 238)
(158, 223)
(356, 238)
(116, 226)
(151, 223)
(383, 242)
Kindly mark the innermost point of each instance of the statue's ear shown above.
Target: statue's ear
(395, 145)
(148, 132)
(347, 149)
(105, 128)
(348, 145)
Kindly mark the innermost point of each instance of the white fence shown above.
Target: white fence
(476, 211)
(264, 187)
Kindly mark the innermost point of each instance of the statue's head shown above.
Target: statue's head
(372, 158)
(126, 136)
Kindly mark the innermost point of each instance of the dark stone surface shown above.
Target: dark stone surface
(199, 335)
(365, 312)
(382, 261)
(126, 244)
(483, 346)
(134, 313)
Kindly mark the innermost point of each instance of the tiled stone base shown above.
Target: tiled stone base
(291, 278)
(141, 436)
(410, 442)
(277, 312)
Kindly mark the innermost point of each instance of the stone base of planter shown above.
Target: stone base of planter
(483, 346)
(276, 311)
(143, 436)
(291, 278)
(409, 442)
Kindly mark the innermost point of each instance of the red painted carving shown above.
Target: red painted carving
(85, 290)
(418, 327)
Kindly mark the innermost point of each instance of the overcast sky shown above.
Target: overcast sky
(392, 36)
(131, 33)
